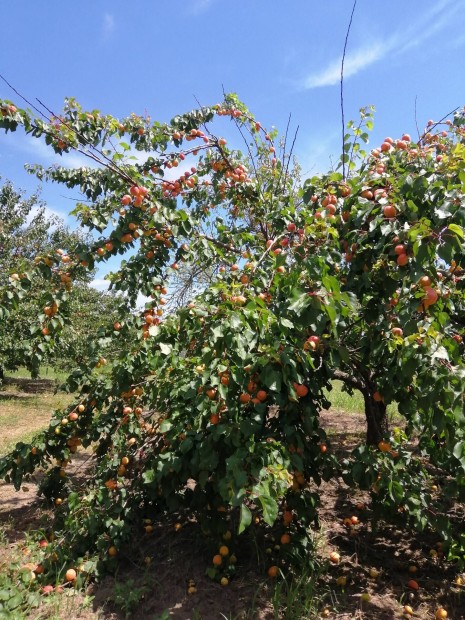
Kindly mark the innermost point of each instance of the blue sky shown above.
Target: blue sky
(158, 56)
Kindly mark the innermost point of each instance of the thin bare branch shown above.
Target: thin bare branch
(342, 87)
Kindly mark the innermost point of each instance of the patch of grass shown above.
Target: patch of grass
(296, 597)
(46, 372)
(127, 596)
(342, 401)
(24, 415)
(299, 598)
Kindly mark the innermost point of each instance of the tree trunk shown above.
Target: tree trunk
(375, 411)
(2, 376)
(377, 422)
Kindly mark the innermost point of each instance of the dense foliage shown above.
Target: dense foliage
(213, 409)
(27, 231)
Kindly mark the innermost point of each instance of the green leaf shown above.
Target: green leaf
(272, 379)
(458, 230)
(245, 518)
(269, 507)
(302, 302)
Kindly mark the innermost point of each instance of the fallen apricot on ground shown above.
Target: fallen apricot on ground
(70, 574)
(412, 584)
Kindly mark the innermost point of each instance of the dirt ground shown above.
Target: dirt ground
(156, 570)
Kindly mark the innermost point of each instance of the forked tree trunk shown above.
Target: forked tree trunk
(376, 417)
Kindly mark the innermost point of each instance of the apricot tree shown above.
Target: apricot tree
(28, 231)
(213, 408)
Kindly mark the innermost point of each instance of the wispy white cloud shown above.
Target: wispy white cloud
(108, 26)
(431, 22)
(48, 212)
(437, 19)
(40, 152)
(353, 63)
(199, 6)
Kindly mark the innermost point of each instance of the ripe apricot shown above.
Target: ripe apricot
(425, 281)
(217, 560)
(273, 571)
(389, 211)
(244, 398)
(431, 297)
(285, 539)
(413, 585)
(251, 387)
(367, 194)
(224, 550)
(71, 574)
(301, 390)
